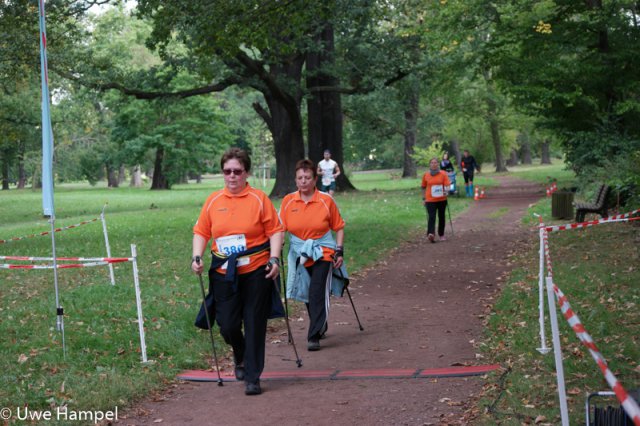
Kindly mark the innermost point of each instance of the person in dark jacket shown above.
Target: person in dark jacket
(445, 163)
(468, 165)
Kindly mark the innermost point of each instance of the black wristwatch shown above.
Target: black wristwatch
(196, 259)
(339, 252)
(274, 261)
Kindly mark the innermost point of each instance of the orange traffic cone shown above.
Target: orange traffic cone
(482, 192)
(475, 194)
(548, 192)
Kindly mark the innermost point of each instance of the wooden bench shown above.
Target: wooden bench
(599, 206)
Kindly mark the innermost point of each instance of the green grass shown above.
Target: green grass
(102, 368)
(597, 269)
(546, 173)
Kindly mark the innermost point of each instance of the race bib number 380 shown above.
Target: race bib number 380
(232, 244)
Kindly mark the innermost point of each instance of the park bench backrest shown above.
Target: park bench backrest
(602, 195)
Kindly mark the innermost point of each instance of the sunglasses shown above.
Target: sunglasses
(236, 172)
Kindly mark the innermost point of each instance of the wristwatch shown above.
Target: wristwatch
(274, 261)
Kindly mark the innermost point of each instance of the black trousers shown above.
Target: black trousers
(249, 305)
(316, 307)
(440, 208)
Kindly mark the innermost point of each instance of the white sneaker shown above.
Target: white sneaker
(431, 238)
(443, 238)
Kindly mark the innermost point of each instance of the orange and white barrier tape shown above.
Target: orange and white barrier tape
(88, 262)
(77, 259)
(58, 266)
(48, 232)
(628, 403)
(612, 219)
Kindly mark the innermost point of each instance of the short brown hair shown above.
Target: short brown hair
(238, 154)
(306, 164)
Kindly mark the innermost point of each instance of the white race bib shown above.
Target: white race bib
(437, 191)
(326, 181)
(232, 244)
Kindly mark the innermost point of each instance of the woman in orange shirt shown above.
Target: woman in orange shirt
(310, 216)
(247, 238)
(435, 184)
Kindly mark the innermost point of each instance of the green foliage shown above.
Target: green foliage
(422, 156)
(622, 173)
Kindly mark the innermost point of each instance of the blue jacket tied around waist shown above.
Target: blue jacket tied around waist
(298, 278)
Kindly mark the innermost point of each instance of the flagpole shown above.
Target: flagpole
(47, 165)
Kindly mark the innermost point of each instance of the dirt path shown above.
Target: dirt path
(422, 308)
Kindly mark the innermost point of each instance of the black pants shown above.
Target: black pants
(250, 304)
(468, 177)
(316, 307)
(432, 207)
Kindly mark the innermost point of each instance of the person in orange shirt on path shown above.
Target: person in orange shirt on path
(247, 242)
(309, 216)
(435, 184)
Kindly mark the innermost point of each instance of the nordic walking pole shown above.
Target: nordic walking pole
(450, 221)
(206, 314)
(286, 317)
(346, 287)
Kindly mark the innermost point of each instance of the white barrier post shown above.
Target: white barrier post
(557, 352)
(136, 282)
(543, 349)
(106, 243)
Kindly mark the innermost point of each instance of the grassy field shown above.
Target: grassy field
(596, 268)
(102, 368)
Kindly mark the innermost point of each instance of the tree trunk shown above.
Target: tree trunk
(455, 147)
(324, 109)
(22, 173)
(545, 155)
(410, 130)
(5, 173)
(495, 136)
(159, 179)
(525, 154)
(492, 119)
(288, 143)
(36, 180)
(284, 120)
(136, 177)
(112, 177)
(513, 158)
(121, 174)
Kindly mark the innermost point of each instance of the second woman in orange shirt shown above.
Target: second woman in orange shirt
(310, 216)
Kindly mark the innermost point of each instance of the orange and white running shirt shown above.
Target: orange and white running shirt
(312, 219)
(435, 187)
(236, 222)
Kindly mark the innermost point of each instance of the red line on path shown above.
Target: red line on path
(381, 373)
(472, 370)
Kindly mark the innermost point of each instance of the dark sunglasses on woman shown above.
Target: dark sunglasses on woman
(236, 172)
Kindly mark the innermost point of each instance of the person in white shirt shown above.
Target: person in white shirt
(328, 170)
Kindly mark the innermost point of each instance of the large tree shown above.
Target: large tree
(574, 64)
